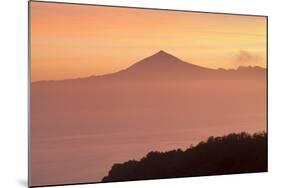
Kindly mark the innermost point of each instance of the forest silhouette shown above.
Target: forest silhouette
(230, 154)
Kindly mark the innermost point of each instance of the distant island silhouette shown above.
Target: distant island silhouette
(163, 64)
(231, 154)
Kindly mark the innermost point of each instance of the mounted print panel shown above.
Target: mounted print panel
(121, 94)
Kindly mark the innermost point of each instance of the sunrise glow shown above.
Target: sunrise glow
(70, 41)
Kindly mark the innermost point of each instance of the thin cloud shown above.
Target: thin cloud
(247, 58)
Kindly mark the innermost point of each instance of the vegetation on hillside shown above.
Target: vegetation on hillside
(230, 154)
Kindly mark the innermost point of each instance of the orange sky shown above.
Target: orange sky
(70, 41)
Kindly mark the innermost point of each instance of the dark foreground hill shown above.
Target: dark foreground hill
(231, 154)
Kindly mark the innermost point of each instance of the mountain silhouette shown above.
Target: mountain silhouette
(163, 60)
(164, 66)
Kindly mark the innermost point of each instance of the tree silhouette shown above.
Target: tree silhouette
(231, 154)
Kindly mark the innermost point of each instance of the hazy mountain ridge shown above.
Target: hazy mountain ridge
(185, 86)
(165, 65)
